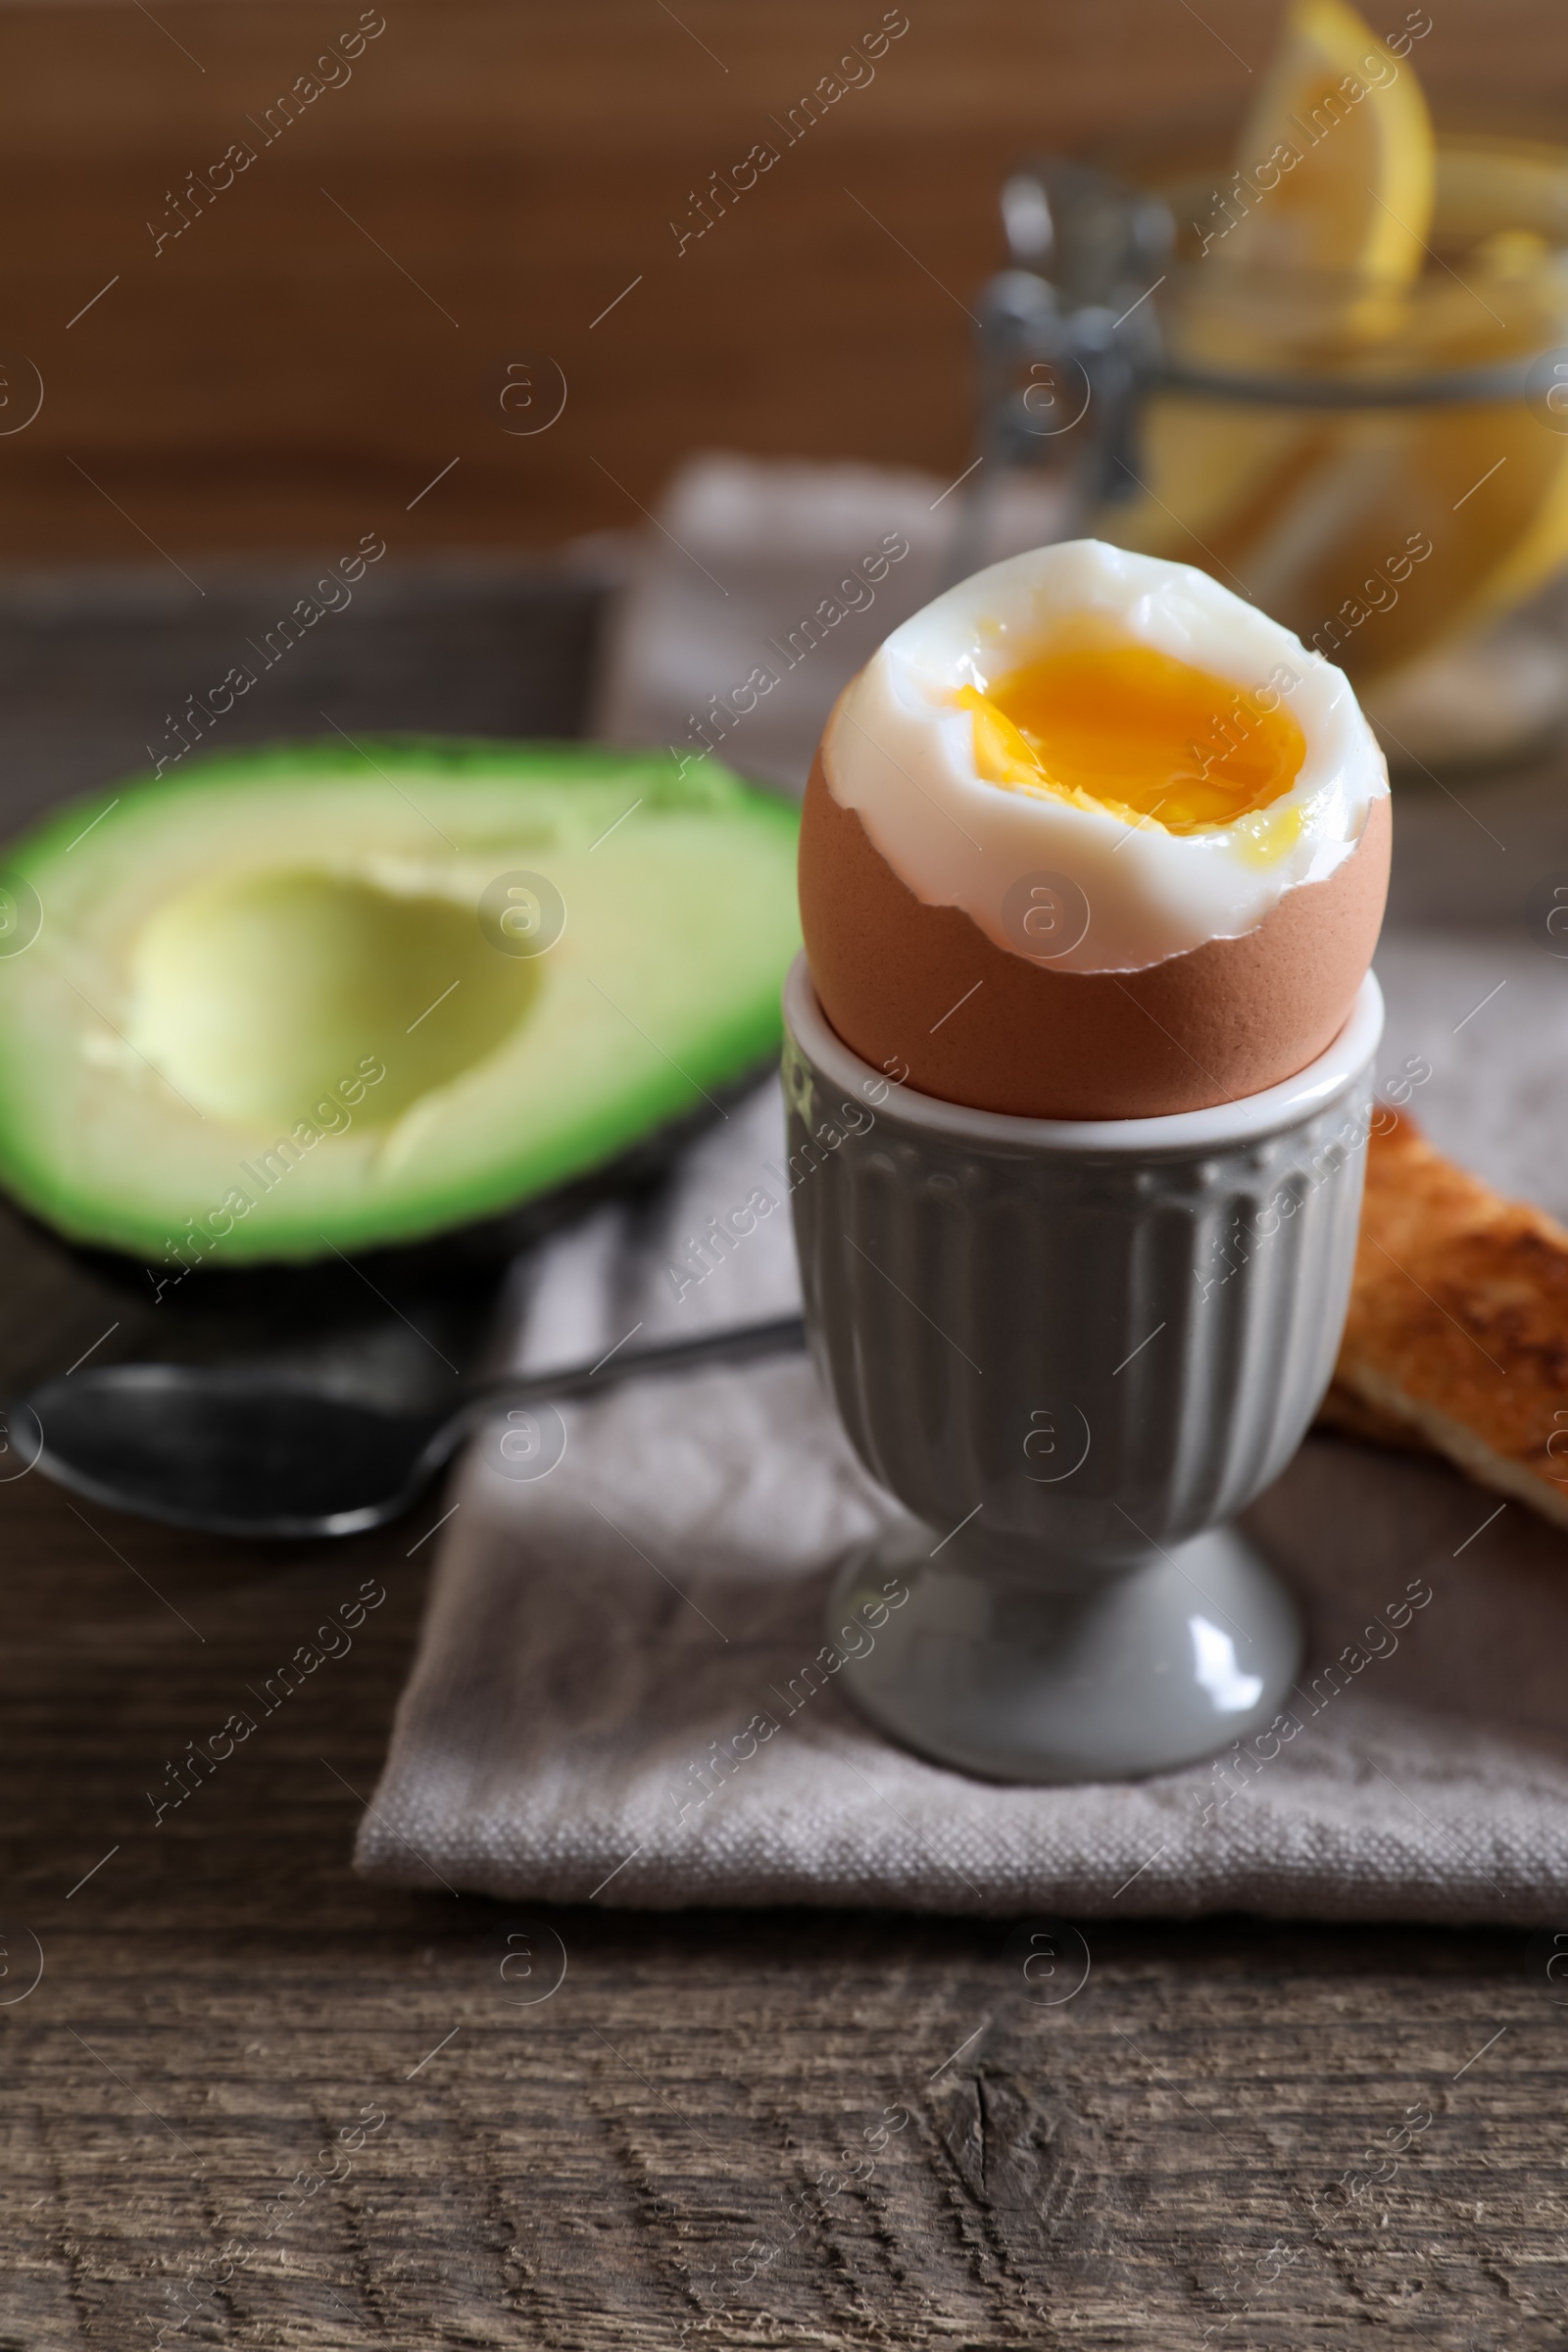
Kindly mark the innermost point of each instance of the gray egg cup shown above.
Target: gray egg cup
(1073, 1351)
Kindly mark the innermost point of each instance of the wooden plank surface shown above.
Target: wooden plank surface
(328, 333)
(1232, 2134)
(780, 2130)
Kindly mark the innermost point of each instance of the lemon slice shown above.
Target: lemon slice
(1537, 548)
(1312, 262)
(1325, 222)
(1338, 156)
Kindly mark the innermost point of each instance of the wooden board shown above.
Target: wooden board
(682, 2140)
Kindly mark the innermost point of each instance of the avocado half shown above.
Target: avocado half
(332, 997)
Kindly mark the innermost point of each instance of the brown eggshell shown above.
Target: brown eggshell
(1225, 1020)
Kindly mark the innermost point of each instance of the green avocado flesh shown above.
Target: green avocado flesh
(332, 997)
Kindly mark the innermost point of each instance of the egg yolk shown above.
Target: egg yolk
(1137, 732)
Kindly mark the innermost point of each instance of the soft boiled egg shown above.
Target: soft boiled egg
(1091, 838)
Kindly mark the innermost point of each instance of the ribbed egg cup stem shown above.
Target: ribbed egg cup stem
(1073, 1351)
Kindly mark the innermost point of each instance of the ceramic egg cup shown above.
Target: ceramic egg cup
(1073, 1351)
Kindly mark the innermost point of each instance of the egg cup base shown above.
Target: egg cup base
(1073, 1351)
(1166, 1662)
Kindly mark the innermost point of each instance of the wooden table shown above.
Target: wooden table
(782, 2130)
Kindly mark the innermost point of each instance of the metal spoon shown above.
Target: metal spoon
(248, 1453)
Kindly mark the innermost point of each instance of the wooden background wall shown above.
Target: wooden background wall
(294, 368)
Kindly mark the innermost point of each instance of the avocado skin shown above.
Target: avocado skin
(483, 1244)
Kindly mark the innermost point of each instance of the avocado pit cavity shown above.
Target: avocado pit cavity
(259, 994)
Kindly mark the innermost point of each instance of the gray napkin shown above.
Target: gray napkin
(609, 1702)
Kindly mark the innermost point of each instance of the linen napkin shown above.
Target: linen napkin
(606, 1645)
(608, 1703)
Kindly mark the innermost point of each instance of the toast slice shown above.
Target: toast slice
(1457, 1333)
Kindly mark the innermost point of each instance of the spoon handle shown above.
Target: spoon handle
(734, 1344)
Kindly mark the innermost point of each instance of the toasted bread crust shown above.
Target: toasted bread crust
(1343, 1410)
(1457, 1333)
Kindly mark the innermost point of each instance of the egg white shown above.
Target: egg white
(899, 752)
